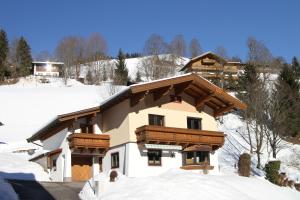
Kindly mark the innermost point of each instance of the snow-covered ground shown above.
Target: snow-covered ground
(17, 166)
(181, 184)
(231, 125)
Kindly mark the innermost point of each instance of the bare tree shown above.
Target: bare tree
(195, 48)
(155, 45)
(252, 91)
(221, 51)
(177, 46)
(277, 112)
(70, 51)
(258, 53)
(156, 67)
(96, 47)
(43, 56)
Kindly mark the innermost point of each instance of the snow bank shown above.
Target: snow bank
(6, 191)
(17, 166)
(33, 81)
(88, 190)
(180, 184)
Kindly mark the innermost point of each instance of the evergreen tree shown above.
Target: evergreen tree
(287, 89)
(3, 53)
(138, 77)
(23, 57)
(121, 72)
(296, 67)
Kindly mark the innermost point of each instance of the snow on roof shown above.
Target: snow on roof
(47, 62)
(25, 110)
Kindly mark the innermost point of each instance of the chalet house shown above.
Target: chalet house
(212, 67)
(143, 130)
(47, 68)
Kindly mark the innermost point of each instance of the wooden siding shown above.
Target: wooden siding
(88, 140)
(179, 136)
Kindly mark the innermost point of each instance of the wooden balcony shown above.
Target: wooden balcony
(89, 141)
(179, 136)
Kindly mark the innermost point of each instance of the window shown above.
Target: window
(176, 98)
(154, 157)
(194, 123)
(115, 160)
(196, 157)
(157, 120)
(54, 164)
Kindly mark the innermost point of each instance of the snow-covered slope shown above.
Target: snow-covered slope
(181, 184)
(132, 64)
(25, 108)
(232, 126)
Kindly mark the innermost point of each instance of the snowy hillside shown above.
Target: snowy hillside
(132, 64)
(27, 106)
(234, 145)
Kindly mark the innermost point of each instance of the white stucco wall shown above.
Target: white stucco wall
(136, 164)
(56, 141)
(123, 161)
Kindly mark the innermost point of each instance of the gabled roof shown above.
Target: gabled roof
(203, 91)
(198, 87)
(61, 122)
(209, 53)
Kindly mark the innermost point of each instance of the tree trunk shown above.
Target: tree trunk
(258, 160)
(274, 151)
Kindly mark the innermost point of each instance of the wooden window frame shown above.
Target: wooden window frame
(154, 115)
(194, 118)
(160, 160)
(194, 158)
(113, 166)
(54, 164)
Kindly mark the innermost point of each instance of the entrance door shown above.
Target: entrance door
(81, 168)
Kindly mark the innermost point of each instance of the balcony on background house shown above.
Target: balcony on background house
(89, 141)
(179, 136)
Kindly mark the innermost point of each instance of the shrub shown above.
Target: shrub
(271, 169)
(244, 165)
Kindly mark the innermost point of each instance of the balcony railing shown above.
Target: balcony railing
(179, 136)
(89, 140)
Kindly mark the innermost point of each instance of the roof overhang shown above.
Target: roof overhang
(61, 122)
(203, 91)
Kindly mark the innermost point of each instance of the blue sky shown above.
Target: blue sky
(127, 24)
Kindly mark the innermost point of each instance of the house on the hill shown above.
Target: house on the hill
(41, 68)
(213, 67)
(143, 130)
